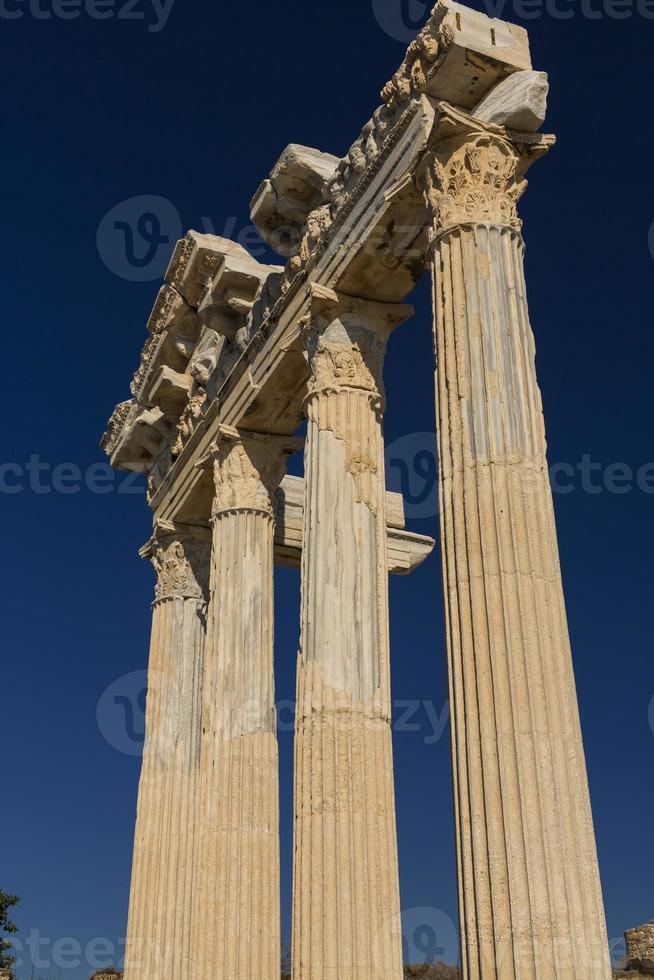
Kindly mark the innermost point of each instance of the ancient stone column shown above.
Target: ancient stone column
(346, 905)
(158, 937)
(530, 897)
(236, 913)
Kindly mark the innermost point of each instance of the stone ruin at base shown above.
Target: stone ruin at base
(238, 354)
(640, 953)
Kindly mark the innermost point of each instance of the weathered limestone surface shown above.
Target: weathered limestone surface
(159, 934)
(406, 551)
(640, 951)
(519, 102)
(236, 919)
(346, 891)
(297, 186)
(530, 898)
(433, 179)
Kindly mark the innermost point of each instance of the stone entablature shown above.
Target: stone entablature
(298, 184)
(197, 331)
(218, 299)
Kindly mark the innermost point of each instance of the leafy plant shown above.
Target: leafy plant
(7, 902)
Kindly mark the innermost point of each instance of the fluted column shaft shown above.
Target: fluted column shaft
(236, 913)
(530, 896)
(346, 909)
(159, 932)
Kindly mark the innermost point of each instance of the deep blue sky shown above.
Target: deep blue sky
(95, 112)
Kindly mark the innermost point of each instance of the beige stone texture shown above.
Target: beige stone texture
(530, 898)
(346, 904)
(236, 917)
(640, 949)
(432, 180)
(406, 550)
(159, 934)
(519, 102)
(296, 186)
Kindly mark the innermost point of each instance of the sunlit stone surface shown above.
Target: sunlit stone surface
(237, 355)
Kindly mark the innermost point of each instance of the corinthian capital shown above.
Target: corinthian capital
(248, 468)
(181, 556)
(475, 171)
(346, 340)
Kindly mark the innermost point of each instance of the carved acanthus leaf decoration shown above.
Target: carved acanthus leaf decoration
(341, 366)
(182, 563)
(248, 470)
(474, 179)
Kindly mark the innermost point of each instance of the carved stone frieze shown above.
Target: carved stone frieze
(162, 348)
(422, 60)
(318, 225)
(172, 312)
(462, 55)
(188, 422)
(296, 187)
(159, 472)
(206, 357)
(228, 298)
(169, 390)
(458, 56)
(345, 190)
(136, 439)
(116, 426)
(195, 261)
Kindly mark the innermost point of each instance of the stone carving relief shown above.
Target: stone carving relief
(421, 61)
(163, 309)
(342, 366)
(116, 426)
(159, 472)
(352, 175)
(181, 561)
(248, 470)
(164, 347)
(318, 224)
(474, 179)
(206, 357)
(188, 422)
